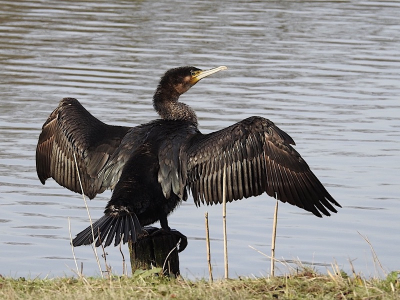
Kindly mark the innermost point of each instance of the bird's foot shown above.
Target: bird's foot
(153, 231)
(183, 239)
(150, 230)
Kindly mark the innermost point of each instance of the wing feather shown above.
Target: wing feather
(71, 131)
(257, 157)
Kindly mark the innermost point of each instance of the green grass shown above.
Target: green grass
(306, 284)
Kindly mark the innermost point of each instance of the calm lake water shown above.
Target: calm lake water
(328, 73)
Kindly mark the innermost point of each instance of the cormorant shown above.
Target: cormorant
(151, 167)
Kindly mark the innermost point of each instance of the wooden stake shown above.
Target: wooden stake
(208, 248)
(224, 223)
(157, 249)
(273, 240)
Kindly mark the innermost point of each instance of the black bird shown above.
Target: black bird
(151, 167)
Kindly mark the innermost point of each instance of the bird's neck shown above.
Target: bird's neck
(169, 108)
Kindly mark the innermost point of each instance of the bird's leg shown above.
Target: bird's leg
(164, 227)
(164, 223)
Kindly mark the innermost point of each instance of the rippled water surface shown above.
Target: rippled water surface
(328, 73)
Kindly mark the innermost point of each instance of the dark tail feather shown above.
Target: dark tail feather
(108, 228)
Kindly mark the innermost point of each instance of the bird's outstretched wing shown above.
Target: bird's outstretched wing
(72, 132)
(257, 157)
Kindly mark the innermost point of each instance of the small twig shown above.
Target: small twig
(274, 239)
(375, 257)
(108, 268)
(124, 270)
(286, 264)
(224, 223)
(208, 248)
(90, 218)
(104, 255)
(262, 253)
(170, 252)
(352, 269)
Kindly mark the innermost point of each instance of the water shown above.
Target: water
(327, 73)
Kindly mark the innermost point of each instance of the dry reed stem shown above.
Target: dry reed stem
(90, 218)
(208, 249)
(332, 276)
(374, 255)
(73, 250)
(224, 224)
(274, 239)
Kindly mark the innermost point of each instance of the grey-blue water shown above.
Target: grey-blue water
(328, 73)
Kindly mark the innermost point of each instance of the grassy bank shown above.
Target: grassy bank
(304, 285)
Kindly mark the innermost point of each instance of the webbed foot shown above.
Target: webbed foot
(153, 231)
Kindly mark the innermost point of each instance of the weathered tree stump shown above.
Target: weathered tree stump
(157, 249)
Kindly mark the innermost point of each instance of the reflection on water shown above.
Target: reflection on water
(325, 72)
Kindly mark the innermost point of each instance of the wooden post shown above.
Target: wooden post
(158, 249)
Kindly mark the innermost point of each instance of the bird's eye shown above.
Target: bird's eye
(193, 73)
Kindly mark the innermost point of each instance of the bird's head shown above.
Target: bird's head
(183, 78)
